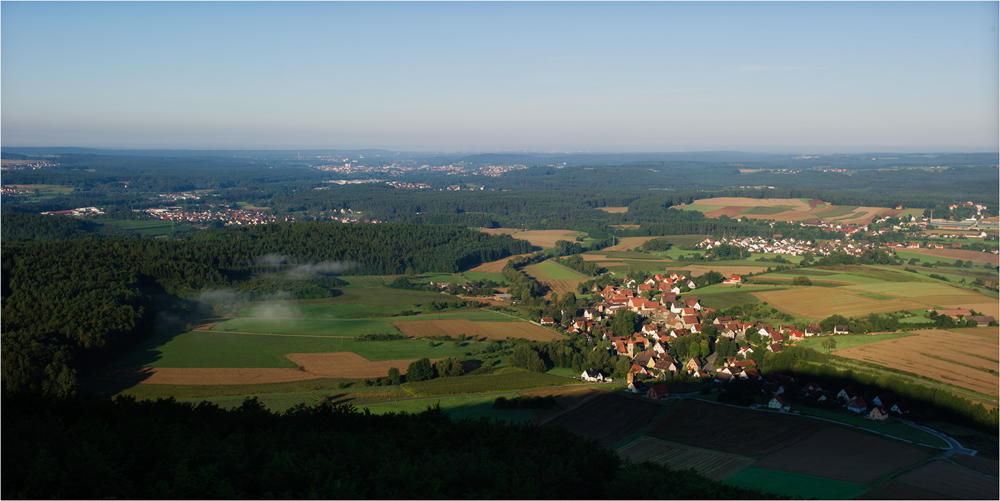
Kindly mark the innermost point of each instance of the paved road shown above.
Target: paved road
(953, 446)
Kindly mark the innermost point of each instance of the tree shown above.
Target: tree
(449, 367)
(394, 377)
(801, 281)
(828, 323)
(420, 370)
(625, 322)
(830, 344)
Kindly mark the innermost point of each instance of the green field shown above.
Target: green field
(795, 485)
(549, 270)
(508, 379)
(208, 349)
(475, 407)
(849, 340)
(475, 276)
(806, 272)
(197, 392)
(152, 228)
(766, 210)
(723, 300)
(369, 280)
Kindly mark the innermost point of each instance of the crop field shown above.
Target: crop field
(766, 210)
(896, 490)
(949, 480)
(493, 266)
(930, 294)
(730, 429)
(717, 211)
(795, 485)
(198, 392)
(958, 359)
(214, 376)
(841, 454)
(319, 327)
(723, 268)
(712, 464)
(563, 286)
(475, 406)
(978, 463)
(964, 255)
(506, 379)
(475, 276)
(614, 210)
(849, 340)
(346, 365)
(152, 228)
(609, 418)
(821, 302)
(209, 350)
(722, 300)
(548, 270)
(476, 330)
(542, 238)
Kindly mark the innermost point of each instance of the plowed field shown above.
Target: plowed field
(842, 454)
(609, 418)
(729, 429)
(949, 357)
(614, 210)
(712, 464)
(952, 481)
(490, 330)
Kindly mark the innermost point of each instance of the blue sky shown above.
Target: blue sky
(795, 77)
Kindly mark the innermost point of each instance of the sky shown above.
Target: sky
(513, 76)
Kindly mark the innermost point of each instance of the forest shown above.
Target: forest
(70, 305)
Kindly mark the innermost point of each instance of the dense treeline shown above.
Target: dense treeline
(88, 448)
(14, 226)
(73, 304)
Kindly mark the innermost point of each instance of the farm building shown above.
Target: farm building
(841, 329)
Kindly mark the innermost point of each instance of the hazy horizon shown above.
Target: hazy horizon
(825, 78)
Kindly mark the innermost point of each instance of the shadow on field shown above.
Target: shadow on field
(128, 370)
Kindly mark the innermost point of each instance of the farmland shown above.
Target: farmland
(475, 406)
(786, 209)
(711, 426)
(949, 480)
(609, 418)
(506, 379)
(712, 464)
(549, 270)
(475, 330)
(958, 359)
(841, 454)
(545, 239)
(849, 340)
(964, 255)
(795, 485)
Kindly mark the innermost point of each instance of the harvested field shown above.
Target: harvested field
(609, 417)
(490, 330)
(629, 243)
(991, 309)
(980, 464)
(494, 266)
(753, 202)
(614, 210)
(729, 429)
(165, 375)
(725, 211)
(896, 490)
(712, 464)
(347, 365)
(929, 293)
(958, 359)
(542, 238)
(949, 480)
(594, 257)
(791, 215)
(563, 286)
(821, 302)
(842, 454)
(964, 255)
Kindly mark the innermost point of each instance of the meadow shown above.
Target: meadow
(549, 270)
(849, 340)
(474, 406)
(503, 380)
(795, 485)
